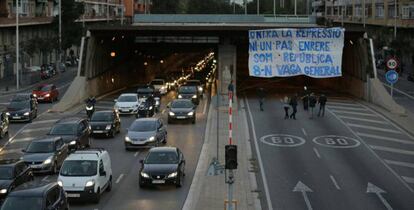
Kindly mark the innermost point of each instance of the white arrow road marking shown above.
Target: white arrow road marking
(119, 178)
(378, 191)
(300, 187)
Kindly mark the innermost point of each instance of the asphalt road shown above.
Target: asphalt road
(126, 193)
(353, 158)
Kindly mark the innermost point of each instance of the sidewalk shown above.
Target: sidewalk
(210, 192)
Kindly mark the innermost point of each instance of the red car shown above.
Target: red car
(46, 92)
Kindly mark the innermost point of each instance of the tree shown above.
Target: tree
(166, 6)
(71, 30)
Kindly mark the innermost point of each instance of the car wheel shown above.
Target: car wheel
(109, 188)
(97, 196)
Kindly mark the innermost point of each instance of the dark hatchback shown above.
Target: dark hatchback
(105, 123)
(189, 92)
(162, 165)
(12, 174)
(74, 131)
(46, 154)
(20, 111)
(35, 196)
(181, 109)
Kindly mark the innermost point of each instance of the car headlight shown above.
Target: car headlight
(108, 127)
(26, 114)
(150, 108)
(72, 142)
(89, 183)
(171, 113)
(190, 113)
(200, 89)
(60, 183)
(152, 138)
(162, 88)
(172, 175)
(145, 175)
(3, 191)
(47, 95)
(34, 95)
(180, 96)
(89, 108)
(194, 96)
(127, 139)
(48, 161)
(8, 113)
(157, 103)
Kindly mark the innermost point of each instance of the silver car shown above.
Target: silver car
(145, 133)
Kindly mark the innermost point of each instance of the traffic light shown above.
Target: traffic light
(231, 157)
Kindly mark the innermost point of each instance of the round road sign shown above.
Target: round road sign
(282, 140)
(391, 76)
(392, 63)
(336, 141)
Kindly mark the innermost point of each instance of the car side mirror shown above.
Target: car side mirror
(102, 173)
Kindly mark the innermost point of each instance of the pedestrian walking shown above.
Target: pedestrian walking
(305, 98)
(322, 102)
(294, 103)
(285, 102)
(230, 89)
(261, 95)
(312, 103)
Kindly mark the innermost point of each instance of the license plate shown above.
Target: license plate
(180, 117)
(17, 117)
(70, 195)
(36, 166)
(98, 131)
(40, 98)
(158, 181)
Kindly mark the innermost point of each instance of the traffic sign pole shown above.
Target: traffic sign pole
(392, 90)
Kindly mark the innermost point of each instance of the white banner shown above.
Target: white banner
(314, 52)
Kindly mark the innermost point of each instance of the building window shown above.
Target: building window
(358, 11)
(407, 12)
(379, 11)
(391, 11)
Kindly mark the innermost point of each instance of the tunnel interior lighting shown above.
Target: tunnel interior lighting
(161, 61)
(113, 54)
(145, 63)
(113, 38)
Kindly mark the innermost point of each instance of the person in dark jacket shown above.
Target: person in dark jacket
(294, 103)
(322, 102)
(312, 103)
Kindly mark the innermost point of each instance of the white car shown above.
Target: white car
(86, 174)
(160, 85)
(127, 103)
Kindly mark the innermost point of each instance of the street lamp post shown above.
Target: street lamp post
(395, 19)
(17, 45)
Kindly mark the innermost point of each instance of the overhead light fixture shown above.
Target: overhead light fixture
(113, 54)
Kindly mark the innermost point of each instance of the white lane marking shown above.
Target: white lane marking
(119, 178)
(36, 129)
(44, 121)
(334, 182)
(408, 179)
(23, 139)
(385, 138)
(163, 111)
(371, 188)
(259, 157)
(300, 187)
(304, 132)
(347, 108)
(4, 103)
(317, 153)
(355, 113)
(342, 104)
(9, 151)
(373, 153)
(394, 150)
(399, 163)
(363, 119)
(373, 128)
(205, 108)
(45, 178)
(136, 154)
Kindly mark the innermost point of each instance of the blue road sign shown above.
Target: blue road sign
(391, 76)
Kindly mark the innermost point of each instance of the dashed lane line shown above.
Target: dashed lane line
(354, 113)
(393, 150)
(44, 121)
(304, 132)
(119, 178)
(334, 182)
(363, 119)
(45, 178)
(23, 139)
(343, 104)
(35, 129)
(317, 153)
(408, 179)
(399, 163)
(373, 128)
(385, 138)
(136, 154)
(347, 108)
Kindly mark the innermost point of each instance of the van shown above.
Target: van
(86, 174)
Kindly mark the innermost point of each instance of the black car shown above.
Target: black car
(73, 130)
(189, 92)
(181, 109)
(162, 165)
(22, 110)
(12, 174)
(197, 84)
(4, 124)
(105, 123)
(46, 154)
(35, 196)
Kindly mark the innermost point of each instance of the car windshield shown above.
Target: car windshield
(6, 173)
(157, 82)
(161, 158)
(142, 126)
(181, 104)
(102, 116)
(127, 99)
(187, 89)
(22, 202)
(40, 147)
(79, 168)
(63, 129)
(43, 88)
(19, 105)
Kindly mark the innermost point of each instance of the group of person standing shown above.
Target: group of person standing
(309, 103)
